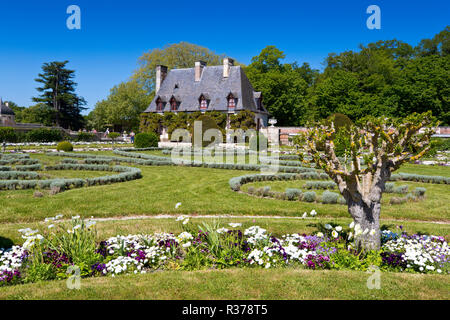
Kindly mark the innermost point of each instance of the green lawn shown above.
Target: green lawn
(204, 191)
(201, 191)
(242, 284)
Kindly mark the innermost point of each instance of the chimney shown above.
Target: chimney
(199, 65)
(161, 73)
(227, 64)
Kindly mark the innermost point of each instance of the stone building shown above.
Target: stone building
(7, 116)
(204, 88)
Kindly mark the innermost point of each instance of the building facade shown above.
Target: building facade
(204, 88)
(7, 116)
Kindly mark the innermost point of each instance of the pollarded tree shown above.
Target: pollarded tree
(384, 145)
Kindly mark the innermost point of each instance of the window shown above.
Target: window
(231, 102)
(173, 104)
(203, 103)
(159, 105)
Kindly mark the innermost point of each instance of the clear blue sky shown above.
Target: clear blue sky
(114, 34)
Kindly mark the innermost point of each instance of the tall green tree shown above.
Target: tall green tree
(174, 56)
(284, 86)
(121, 108)
(58, 93)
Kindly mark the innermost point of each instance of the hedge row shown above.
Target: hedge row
(251, 167)
(320, 185)
(293, 194)
(125, 174)
(13, 175)
(420, 178)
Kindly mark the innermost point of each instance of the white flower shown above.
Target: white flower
(177, 205)
(181, 218)
(235, 225)
(365, 231)
(186, 221)
(352, 225)
(328, 226)
(304, 215)
(313, 212)
(338, 228)
(320, 234)
(334, 234)
(350, 235)
(51, 226)
(372, 232)
(222, 230)
(75, 217)
(186, 245)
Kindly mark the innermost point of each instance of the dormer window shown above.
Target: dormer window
(173, 104)
(231, 102)
(159, 105)
(203, 103)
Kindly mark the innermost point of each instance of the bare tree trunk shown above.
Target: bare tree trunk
(367, 215)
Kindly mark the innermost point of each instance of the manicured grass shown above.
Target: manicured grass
(201, 191)
(241, 284)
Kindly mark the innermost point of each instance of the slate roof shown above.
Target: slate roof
(4, 110)
(212, 85)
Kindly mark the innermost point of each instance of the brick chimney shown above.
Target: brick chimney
(227, 64)
(199, 65)
(161, 73)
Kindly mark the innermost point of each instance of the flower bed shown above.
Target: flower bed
(69, 243)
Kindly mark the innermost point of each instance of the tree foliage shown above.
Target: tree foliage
(121, 108)
(174, 56)
(383, 144)
(57, 93)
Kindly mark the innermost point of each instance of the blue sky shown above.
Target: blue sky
(114, 34)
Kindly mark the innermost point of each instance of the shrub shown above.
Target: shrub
(85, 137)
(146, 140)
(320, 185)
(293, 194)
(113, 135)
(251, 190)
(397, 200)
(401, 189)
(329, 197)
(65, 146)
(266, 191)
(389, 187)
(7, 134)
(420, 192)
(309, 196)
(44, 135)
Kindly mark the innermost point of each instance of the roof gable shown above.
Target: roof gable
(181, 84)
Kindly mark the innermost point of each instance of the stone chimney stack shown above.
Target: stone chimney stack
(161, 73)
(199, 65)
(227, 64)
